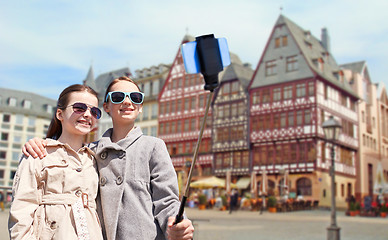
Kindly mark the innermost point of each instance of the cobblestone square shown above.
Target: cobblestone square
(241, 225)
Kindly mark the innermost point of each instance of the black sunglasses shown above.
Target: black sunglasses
(118, 97)
(80, 108)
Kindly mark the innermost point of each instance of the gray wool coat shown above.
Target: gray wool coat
(138, 186)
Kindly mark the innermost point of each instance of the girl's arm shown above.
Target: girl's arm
(35, 147)
(165, 194)
(25, 200)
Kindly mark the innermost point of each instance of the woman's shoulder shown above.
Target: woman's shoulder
(152, 139)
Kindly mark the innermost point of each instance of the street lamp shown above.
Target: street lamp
(332, 129)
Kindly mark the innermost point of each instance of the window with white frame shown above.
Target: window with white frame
(292, 63)
(31, 121)
(145, 112)
(19, 119)
(147, 89)
(16, 156)
(270, 68)
(155, 87)
(17, 138)
(154, 131)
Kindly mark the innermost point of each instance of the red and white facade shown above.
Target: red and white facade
(296, 87)
(182, 103)
(230, 128)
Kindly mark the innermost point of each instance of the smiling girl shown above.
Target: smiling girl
(54, 197)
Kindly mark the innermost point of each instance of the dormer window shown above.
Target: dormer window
(307, 34)
(48, 108)
(309, 45)
(318, 63)
(12, 102)
(325, 55)
(27, 104)
(339, 76)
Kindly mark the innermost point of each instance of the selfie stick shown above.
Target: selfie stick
(208, 58)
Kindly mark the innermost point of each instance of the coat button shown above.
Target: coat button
(121, 155)
(102, 181)
(119, 180)
(103, 155)
(53, 225)
(78, 193)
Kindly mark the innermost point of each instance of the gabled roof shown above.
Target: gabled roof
(316, 51)
(355, 66)
(382, 93)
(312, 51)
(237, 71)
(103, 80)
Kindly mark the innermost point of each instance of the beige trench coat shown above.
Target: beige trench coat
(45, 189)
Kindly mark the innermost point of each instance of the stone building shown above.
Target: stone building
(23, 116)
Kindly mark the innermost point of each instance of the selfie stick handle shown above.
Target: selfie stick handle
(179, 216)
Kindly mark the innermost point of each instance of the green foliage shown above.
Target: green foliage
(383, 208)
(224, 200)
(358, 206)
(248, 195)
(202, 199)
(272, 201)
(352, 206)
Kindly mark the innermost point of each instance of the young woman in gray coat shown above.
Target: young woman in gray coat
(138, 184)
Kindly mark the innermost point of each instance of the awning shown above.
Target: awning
(210, 182)
(243, 183)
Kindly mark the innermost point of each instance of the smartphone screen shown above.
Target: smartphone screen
(190, 57)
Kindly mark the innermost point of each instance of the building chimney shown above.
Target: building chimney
(325, 39)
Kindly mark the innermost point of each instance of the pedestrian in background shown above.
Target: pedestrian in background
(1, 202)
(233, 201)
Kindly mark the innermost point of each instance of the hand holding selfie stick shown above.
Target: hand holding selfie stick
(209, 56)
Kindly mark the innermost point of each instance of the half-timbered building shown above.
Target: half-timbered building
(182, 103)
(230, 128)
(297, 85)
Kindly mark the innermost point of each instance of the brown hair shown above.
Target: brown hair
(55, 128)
(123, 78)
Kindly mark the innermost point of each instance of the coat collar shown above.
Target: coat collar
(106, 141)
(56, 143)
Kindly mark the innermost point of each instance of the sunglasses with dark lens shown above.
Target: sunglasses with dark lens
(118, 97)
(80, 108)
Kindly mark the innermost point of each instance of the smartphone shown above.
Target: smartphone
(190, 55)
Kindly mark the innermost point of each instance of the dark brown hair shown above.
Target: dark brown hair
(123, 78)
(55, 128)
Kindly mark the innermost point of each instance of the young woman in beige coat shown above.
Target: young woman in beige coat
(54, 197)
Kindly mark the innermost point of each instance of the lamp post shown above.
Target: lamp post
(331, 129)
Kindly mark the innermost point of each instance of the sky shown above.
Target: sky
(46, 46)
